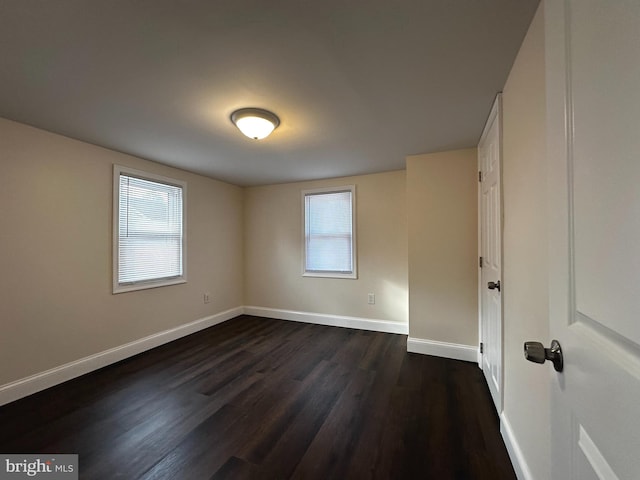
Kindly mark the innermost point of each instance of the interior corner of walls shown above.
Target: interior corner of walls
(40, 381)
(454, 351)
(513, 449)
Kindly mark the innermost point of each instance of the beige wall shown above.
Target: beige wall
(526, 385)
(55, 244)
(273, 251)
(442, 217)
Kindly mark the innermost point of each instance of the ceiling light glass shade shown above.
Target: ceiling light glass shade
(255, 123)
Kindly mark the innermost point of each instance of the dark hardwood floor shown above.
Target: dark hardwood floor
(255, 398)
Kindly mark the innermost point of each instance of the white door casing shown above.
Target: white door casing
(593, 154)
(490, 240)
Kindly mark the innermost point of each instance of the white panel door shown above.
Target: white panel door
(593, 142)
(489, 159)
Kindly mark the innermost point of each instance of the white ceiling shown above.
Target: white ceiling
(357, 84)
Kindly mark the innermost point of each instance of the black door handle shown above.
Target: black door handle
(494, 285)
(535, 352)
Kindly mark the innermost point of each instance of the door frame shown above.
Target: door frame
(495, 113)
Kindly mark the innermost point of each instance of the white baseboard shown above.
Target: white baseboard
(40, 381)
(515, 453)
(331, 320)
(455, 351)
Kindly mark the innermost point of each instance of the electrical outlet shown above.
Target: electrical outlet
(206, 297)
(371, 299)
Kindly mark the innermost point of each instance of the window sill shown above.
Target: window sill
(147, 285)
(351, 276)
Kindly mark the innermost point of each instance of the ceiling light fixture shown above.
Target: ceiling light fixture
(255, 123)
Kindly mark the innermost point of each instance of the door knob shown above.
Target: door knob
(535, 352)
(494, 285)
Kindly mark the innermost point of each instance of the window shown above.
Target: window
(148, 229)
(329, 232)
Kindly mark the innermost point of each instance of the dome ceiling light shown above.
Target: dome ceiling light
(255, 123)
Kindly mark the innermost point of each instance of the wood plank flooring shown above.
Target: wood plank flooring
(256, 398)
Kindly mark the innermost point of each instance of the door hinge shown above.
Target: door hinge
(480, 262)
(479, 176)
(481, 347)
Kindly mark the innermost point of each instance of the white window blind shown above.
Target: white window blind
(150, 231)
(329, 245)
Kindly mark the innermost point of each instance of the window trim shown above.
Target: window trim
(146, 284)
(354, 254)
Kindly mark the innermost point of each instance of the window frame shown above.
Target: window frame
(354, 255)
(118, 287)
